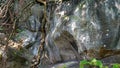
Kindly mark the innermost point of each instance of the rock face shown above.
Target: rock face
(75, 29)
(76, 26)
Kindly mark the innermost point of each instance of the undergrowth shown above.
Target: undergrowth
(96, 63)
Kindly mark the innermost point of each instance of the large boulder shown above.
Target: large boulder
(80, 25)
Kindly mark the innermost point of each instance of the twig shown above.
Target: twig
(4, 9)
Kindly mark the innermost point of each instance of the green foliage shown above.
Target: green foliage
(92, 62)
(64, 66)
(82, 63)
(95, 62)
(105, 67)
(116, 65)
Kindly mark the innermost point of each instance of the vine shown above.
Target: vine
(43, 35)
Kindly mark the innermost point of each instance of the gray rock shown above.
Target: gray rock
(74, 27)
(2, 35)
(70, 64)
(92, 24)
(37, 11)
(30, 35)
(33, 24)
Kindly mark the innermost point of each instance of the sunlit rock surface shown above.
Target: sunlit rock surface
(70, 64)
(75, 30)
(76, 26)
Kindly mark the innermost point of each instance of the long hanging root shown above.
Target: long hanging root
(43, 35)
(41, 51)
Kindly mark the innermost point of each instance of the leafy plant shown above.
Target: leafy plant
(64, 66)
(116, 65)
(82, 63)
(92, 62)
(95, 62)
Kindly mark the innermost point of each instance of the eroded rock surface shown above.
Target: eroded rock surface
(75, 30)
(91, 24)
